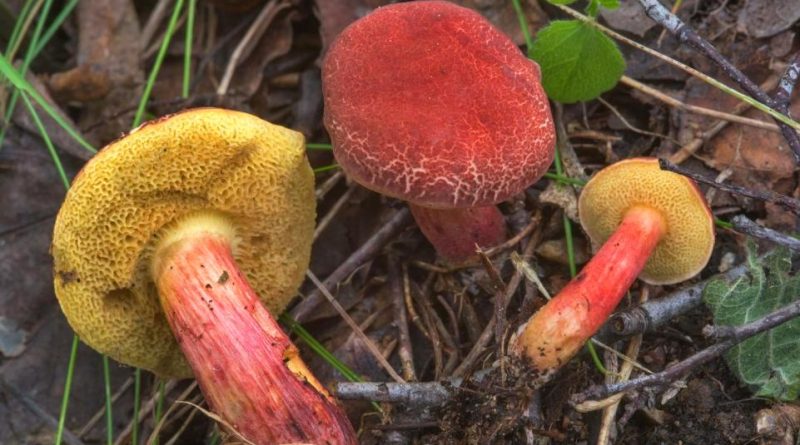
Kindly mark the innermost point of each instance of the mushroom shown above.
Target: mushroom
(651, 223)
(429, 103)
(157, 245)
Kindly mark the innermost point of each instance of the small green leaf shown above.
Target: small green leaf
(561, 2)
(594, 6)
(608, 4)
(767, 362)
(578, 61)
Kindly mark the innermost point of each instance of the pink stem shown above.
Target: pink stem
(248, 369)
(558, 330)
(455, 233)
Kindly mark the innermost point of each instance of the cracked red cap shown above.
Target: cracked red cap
(428, 102)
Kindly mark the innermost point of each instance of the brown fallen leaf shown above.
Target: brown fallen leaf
(108, 78)
(765, 18)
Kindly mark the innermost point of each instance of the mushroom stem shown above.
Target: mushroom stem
(455, 233)
(558, 330)
(248, 369)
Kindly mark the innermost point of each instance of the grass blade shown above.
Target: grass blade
(19, 82)
(62, 416)
(162, 52)
(109, 415)
(187, 52)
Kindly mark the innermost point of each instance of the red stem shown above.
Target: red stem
(455, 233)
(558, 330)
(248, 369)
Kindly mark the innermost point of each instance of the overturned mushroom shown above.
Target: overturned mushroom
(650, 223)
(161, 237)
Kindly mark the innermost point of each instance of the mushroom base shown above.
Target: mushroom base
(457, 233)
(558, 330)
(248, 369)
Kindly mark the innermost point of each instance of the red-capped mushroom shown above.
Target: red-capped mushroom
(428, 102)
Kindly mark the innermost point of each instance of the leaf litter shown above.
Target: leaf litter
(277, 78)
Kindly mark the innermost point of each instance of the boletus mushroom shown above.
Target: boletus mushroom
(649, 223)
(162, 247)
(428, 102)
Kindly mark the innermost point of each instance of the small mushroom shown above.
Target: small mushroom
(650, 223)
(157, 245)
(429, 103)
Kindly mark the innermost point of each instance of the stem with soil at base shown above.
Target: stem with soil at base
(248, 369)
(559, 329)
(454, 233)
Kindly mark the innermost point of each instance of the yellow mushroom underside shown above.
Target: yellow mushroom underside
(253, 172)
(687, 245)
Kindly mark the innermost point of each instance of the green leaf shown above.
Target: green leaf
(561, 2)
(608, 4)
(594, 6)
(768, 363)
(578, 61)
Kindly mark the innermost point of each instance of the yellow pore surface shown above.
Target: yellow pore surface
(253, 173)
(685, 248)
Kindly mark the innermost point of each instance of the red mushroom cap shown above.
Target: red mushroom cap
(428, 102)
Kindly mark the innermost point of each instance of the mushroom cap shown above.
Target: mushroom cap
(254, 173)
(428, 102)
(686, 246)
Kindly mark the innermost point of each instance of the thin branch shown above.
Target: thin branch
(786, 85)
(368, 343)
(767, 195)
(715, 128)
(661, 15)
(663, 378)
(367, 251)
(405, 349)
(703, 111)
(411, 394)
(744, 225)
(649, 316)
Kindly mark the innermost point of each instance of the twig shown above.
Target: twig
(686, 68)
(369, 249)
(744, 225)
(498, 289)
(654, 313)
(767, 195)
(487, 334)
(787, 84)
(691, 148)
(411, 394)
(675, 103)
(663, 378)
(368, 343)
(329, 183)
(427, 324)
(333, 211)
(153, 22)
(250, 39)
(405, 350)
(415, 318)
(102, 411)
(145, 411)
(166, 416)
(611, 404)
(661, 15)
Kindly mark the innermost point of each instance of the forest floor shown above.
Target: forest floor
(263, 57)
